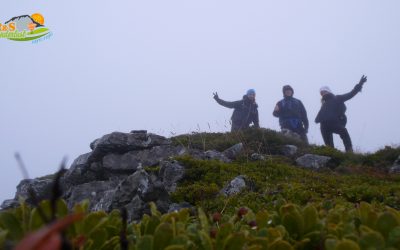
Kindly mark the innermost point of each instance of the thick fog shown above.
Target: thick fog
(123, 65)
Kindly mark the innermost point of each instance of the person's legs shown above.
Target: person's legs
(327, 135)
(344, 134)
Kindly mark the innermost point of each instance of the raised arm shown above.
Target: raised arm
(226, 104)
(355, 90)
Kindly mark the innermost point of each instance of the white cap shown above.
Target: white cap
(325, 88)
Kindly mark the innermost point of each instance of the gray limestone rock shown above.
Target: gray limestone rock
(235, 186)
(233, 151)
(313, 162)
(170, 173)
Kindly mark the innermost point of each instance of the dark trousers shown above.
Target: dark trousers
(236, 126)
(327, 131)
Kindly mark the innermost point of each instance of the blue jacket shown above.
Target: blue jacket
(292, 114)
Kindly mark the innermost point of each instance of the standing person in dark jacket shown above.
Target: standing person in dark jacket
(332, 115)
(245, 111)
(292, 114)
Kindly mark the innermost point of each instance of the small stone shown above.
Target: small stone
(314, 162)
(289, 150)
(395, 169)
(257, 157)
(233, 151)
(235, 186)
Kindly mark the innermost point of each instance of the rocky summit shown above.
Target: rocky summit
(130, 170)
(254, 189)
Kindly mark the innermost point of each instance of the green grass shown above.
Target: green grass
(272, 181)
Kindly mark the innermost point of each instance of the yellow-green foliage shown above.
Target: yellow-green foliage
(287, 226)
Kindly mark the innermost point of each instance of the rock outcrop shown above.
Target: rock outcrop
(113, 175)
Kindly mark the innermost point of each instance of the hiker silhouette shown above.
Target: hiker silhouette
(332, 115)
(245, 111)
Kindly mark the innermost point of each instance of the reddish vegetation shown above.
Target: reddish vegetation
(242, 212)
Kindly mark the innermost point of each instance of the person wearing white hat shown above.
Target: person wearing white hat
(332, 115)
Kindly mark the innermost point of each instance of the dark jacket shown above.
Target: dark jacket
(333, 108)
(292, 114)
(245, 112)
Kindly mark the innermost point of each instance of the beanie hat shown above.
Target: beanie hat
(287, 87)
(251, 92)
(325, 88)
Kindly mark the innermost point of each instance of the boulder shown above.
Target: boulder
(41, 187)
(136, 208)
(395, 169)
(233, 151)
(136, 184)
(82, 171)
(130, 161)
(289, 150)
(118, 142)
(93, 191)
(313, 162)
(170, 173)
(106, 201)
(156, 191)
(235, 186)
(79, 165)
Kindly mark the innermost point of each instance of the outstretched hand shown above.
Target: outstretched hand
(363, 80)
(359, 86)
(216, 95)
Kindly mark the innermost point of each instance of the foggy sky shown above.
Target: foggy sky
(123, 65)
